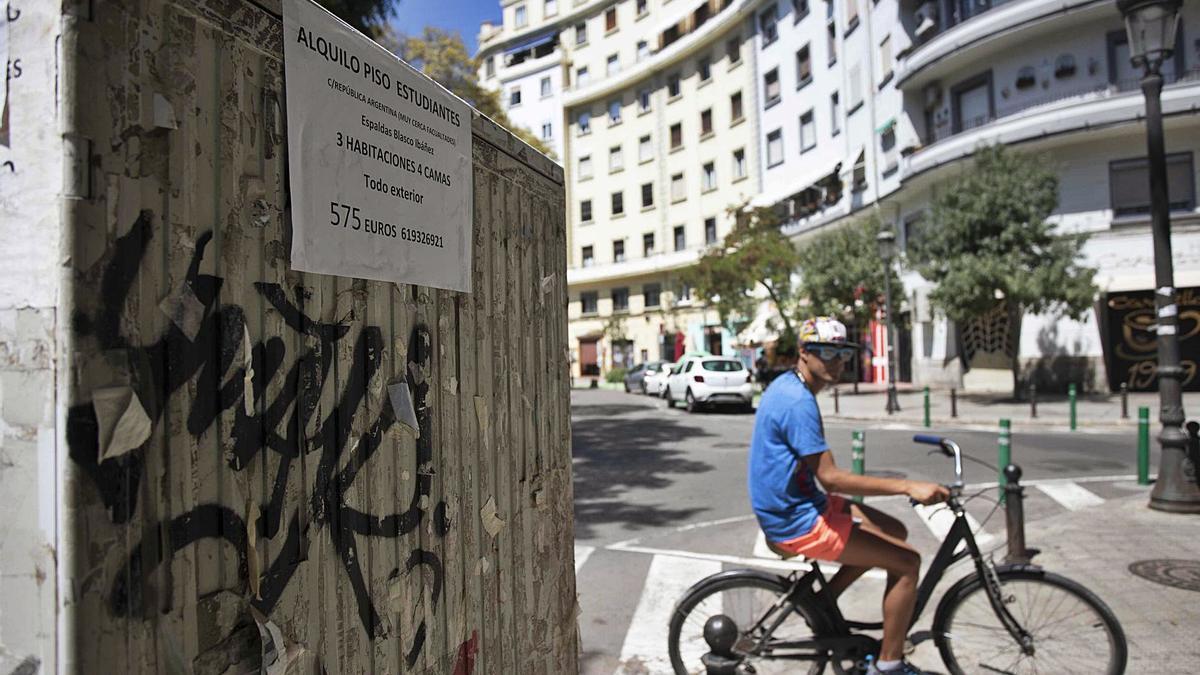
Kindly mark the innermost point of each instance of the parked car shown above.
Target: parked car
(655, 378)
(698, 381)
(635, 379)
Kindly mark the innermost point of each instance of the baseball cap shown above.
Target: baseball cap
(824, 330)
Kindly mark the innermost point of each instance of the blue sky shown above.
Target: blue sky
(460, 15)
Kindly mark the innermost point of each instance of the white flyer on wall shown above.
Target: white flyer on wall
(379, 159)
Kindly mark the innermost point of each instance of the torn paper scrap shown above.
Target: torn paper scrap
(491, 522)
(253, 566)
(402, 406)
(451, 385)
(122, 421)
(548, 282)
(276, 657)
(248, 377)
(184, 310)
(416, 373)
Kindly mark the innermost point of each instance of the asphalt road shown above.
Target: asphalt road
(660, 495)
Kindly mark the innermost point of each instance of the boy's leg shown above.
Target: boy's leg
(868, 548)
(871, 519)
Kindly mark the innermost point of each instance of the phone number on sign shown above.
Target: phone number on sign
(348, 216)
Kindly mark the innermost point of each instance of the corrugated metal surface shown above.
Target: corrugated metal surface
(275, 474)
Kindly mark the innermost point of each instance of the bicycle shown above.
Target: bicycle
(984, 623)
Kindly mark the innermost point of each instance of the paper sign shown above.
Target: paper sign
(379, 158)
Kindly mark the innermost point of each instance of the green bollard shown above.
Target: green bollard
(1005, 453)
(926, 407)
(1143, 458)
(1071, 399)
(857, 458)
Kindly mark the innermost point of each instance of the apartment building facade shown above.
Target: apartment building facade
(856, 107)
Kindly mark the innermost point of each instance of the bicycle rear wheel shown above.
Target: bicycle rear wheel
(1073, 631)
(747, 600)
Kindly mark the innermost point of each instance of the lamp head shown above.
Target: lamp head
(1151, 26)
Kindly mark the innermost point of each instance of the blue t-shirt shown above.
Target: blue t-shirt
(787, 427)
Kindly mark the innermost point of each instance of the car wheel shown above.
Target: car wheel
(644, 392)
(626, 387)
(692, 406)
(667, 395)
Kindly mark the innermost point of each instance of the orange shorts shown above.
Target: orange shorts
(828, 537)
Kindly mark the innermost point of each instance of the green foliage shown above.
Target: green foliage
(842, 273)
(442, 56)
(754, 253)
(990, 238)
(614, 328)
(367, 16)
(615, 375)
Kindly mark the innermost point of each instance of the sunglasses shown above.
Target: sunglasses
(827, 353)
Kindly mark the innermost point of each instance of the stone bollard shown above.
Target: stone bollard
(1014, 515)
(721, 633)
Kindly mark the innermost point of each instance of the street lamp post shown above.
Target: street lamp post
(1152, 26)
(886, 239)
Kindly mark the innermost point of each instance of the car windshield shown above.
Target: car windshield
(722, 366)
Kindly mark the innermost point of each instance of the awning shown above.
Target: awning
(759, 331)
(532, 42)
(883, 128)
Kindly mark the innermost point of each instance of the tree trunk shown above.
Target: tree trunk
(787, 323)
(1015, 315)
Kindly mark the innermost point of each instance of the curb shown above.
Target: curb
(991, 423)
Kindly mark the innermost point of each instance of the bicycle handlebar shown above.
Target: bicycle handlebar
(949, 449)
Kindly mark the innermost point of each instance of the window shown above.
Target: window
(831, 39)
(673, 85)
(652, 294)
(588, 302)
(803, 67)
(620, 298)
(520, 17)
(855, 88)
(767, 27)
(581, 33)
(585, 167)
(685, 292)
(733, 49)
(642, 7)
(706, 124)
(581, 77)
(589, 258)
(643, 50)
(643, 101)
(616, 159)
(708, 177)
(585, 123)
(647, 243)
(546, 88)
(885, 59)
(710, 231)
(645, 149)
(612, 65)
(799, 10)
(547, 131)
(739, 164)
(614, 112)
(972, 103)
(771, 91)
(735, 107)
(610, 19)
(648, 197)
(618, 203)
(1129, 184)
(489, 66)
(514, 97)
(808, 132)
(551, 8)
(618, 250)
(676, 135)
(680, 240)
(835, 114)
(678, 189)
(585, 211)
(774, 148)
(704, 68)
(851, 15)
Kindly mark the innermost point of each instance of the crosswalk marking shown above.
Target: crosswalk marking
(582, 553)
(1070, 495)
(667, 580)
(940, 518)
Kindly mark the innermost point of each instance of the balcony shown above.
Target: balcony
(636, 267)
(1056, 115)
(975, 35)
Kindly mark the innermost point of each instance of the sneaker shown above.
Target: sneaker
(905, 668)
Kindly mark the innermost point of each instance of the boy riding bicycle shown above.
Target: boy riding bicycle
(789, 455)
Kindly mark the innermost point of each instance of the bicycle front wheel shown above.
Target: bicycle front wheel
(1073, 631)
(753, 603)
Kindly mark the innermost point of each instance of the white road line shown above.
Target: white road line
(939, 518)
(666, 581)
(582, 553)
(1072, 496)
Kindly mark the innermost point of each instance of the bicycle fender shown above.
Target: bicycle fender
(731, 574)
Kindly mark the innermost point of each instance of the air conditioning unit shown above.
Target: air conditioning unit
(933, 95)
(926, 19)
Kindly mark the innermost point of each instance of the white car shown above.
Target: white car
(655, 378)
(698, 381)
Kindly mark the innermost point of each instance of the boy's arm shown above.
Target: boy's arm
(836, 479)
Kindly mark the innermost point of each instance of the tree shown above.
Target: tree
(842, 274)
(367, 16)
(442, 56)
(991, 242)
(754, 254)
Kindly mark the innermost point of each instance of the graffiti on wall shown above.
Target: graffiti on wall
(210, 358)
